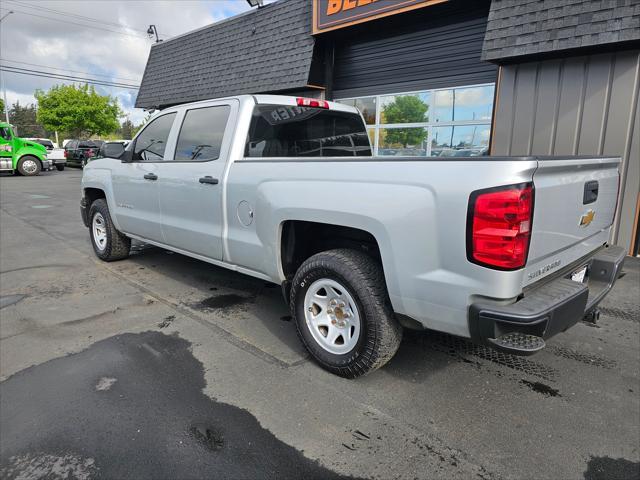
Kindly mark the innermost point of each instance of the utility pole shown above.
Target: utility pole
(4, 90)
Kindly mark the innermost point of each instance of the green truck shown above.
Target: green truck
(17, 154)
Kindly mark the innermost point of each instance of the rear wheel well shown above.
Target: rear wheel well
(301, 239)
(92, 194)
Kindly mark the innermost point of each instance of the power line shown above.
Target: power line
(75, 23)
(67, 70)
(37, 73)
(68, 14)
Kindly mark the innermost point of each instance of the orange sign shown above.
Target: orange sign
(332, 14)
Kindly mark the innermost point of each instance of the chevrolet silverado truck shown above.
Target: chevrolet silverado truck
(21, 155)
(506, 251)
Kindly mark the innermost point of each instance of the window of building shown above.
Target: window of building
(201, 135)
(152, 141)
(442, 122)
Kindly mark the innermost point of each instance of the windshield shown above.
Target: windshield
(288, 131)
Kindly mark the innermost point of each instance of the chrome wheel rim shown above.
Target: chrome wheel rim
(30, 166)
(99, 231)
(332, 316)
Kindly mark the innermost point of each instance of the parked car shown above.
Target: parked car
(54, 154)
(79, 152)
(21, 155)
(506, 251)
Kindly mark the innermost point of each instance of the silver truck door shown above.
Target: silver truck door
(190, 183)
(135, 184)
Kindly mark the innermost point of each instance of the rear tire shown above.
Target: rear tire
(108, 243)
(60, 167)
(29, 166)
(348, 288)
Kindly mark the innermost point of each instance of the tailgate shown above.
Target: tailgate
(575, 202)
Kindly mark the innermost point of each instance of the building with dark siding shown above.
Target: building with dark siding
(436, 77)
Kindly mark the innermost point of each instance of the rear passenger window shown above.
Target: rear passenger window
(201, 134)
(152, 141)
(292, 131)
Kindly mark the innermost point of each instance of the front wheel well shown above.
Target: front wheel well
(93, 194)
(302, 239)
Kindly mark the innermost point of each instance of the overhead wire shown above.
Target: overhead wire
(68, 70)
(69, 78)
(31, 14)
(69, 14)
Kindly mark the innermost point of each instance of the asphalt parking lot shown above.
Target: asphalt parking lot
(161, 366)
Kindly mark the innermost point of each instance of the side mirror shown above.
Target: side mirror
(112, 150)
(126, 156)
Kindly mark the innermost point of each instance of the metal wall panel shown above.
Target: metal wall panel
(433, 47)
(582, 105)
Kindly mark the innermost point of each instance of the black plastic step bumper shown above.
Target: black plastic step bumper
(553, 307)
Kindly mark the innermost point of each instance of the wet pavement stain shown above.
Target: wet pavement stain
(586, 358)
(6, 300)
(209, 436)
(53, 419)
(542, 388)
(605, 468)
(167, 321)
(220, 301)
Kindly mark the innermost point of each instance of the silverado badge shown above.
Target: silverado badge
(587, 218)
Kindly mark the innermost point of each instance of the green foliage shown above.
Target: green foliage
(77, 111)
(25, 119)
(405, 109)
(126, 130)
(2, 107)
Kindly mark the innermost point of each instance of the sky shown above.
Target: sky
(58, 34)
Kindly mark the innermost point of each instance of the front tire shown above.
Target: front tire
(343, 313)
(108, 243)
(29, 166)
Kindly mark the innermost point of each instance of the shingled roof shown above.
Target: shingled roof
(265, 50)
(530, 27)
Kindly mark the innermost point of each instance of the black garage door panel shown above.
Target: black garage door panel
(432, 47)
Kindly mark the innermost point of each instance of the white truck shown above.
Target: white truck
(507, 251)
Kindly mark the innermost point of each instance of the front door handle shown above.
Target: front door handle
(151, 176)
(208, 179)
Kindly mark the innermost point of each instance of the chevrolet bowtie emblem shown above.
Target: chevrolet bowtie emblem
(587, 218)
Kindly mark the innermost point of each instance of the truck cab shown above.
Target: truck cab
(19, 154)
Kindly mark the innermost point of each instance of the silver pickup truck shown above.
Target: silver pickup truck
(506, 251)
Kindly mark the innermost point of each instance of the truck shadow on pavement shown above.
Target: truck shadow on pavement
(132, 406)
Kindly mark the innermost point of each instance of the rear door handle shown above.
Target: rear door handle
(151, 176)
(590, 192)
(208, 179)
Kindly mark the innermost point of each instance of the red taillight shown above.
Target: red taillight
(312, 102)
(499, 226)
(65, 154)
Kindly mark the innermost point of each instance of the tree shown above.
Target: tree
(405, 109)
(126, 130)
(25, 119)
(2, 106)
(137, 128)
(77, 111)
